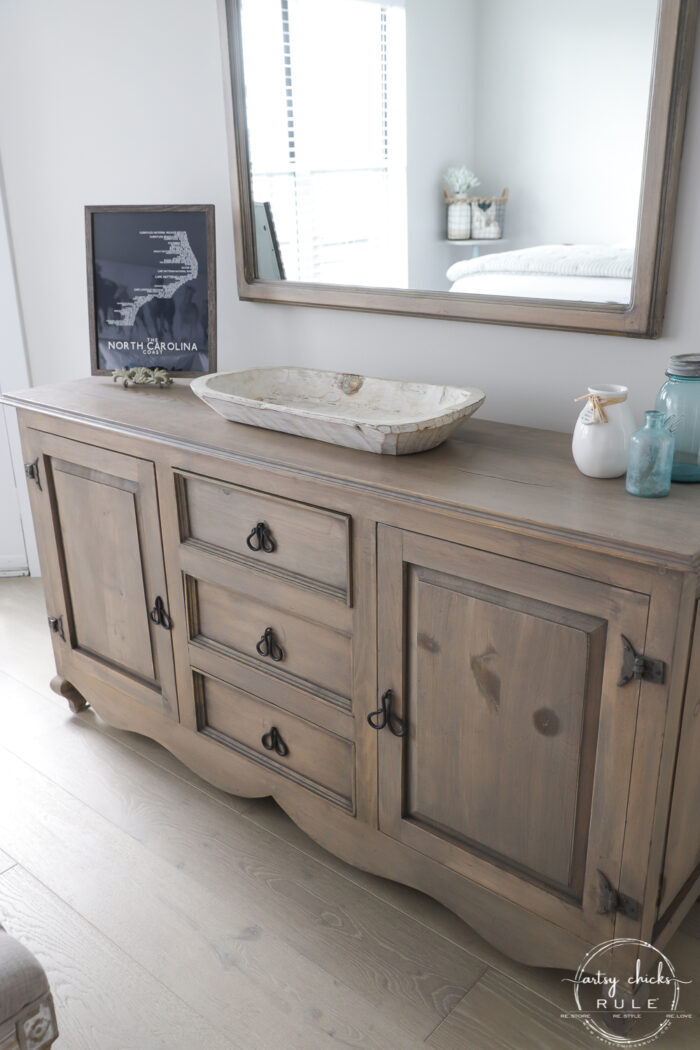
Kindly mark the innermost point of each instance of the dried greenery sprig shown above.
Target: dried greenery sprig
(460, 181)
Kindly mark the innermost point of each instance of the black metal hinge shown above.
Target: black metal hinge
(32, 472)
(612, 900)
(56, 625)
(635, 665)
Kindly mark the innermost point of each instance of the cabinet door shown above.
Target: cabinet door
(515, 766)
(99, 534)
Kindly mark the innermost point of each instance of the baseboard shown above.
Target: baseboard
(13, 565)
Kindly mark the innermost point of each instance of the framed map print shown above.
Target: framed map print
(152, 288)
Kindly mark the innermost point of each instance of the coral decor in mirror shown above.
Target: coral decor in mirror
(507, 161)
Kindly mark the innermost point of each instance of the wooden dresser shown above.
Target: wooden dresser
(472, 670)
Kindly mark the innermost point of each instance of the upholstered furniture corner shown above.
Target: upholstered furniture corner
(27, 1017)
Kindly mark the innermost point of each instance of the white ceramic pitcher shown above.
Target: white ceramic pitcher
(602, 433)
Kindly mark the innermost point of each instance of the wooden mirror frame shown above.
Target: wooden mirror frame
(643, 317)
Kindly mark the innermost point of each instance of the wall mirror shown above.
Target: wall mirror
(345, 115)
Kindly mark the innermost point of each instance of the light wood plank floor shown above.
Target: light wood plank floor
(171, 916)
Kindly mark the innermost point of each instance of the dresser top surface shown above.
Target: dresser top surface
(495, 470)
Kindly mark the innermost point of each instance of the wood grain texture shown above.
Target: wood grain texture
(521, 476)
(683, 845)
(261, 678)
(25, 644)
(424, 910)
(321, 761)
(526, 936)
(499, 1014)
(314, 657)
(560, 597)
(104, 598)
(104, 567)
(102, 997)
(24, 713)
(503, 681)
(669, 631)
(62, 687)
(452, 521)
(6, 862)
(336, 928)
(691, 925)
(310, 545)
(560, 602)
(237, 967)
(81, 755)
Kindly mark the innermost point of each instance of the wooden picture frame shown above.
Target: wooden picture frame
(151, 274)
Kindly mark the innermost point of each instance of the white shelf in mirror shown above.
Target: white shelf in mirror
(476, 243)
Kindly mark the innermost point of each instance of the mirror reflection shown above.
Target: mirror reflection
(483, 147)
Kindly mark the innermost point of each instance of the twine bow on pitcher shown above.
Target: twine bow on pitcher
(599, 404)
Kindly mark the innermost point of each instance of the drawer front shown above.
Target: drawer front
(301, 544)
(297, 750)
(309, 655)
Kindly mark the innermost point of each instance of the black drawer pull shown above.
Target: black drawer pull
(159, 615)
(267, 646)
(260, 539)
(272, 741)
(384, 716)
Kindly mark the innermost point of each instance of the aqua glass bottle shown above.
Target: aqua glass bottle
(650, 458)
(679, 400)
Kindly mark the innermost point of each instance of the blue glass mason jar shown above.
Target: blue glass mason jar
(679, 400)
(650, 458)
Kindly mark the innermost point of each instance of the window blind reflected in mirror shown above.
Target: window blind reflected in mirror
(326, 103)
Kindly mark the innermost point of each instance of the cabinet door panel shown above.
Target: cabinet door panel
(510, 691)
(516, 763)
(105, 567)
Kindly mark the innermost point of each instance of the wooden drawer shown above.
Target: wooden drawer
(319, 761)
(271, 637)
(310, 546)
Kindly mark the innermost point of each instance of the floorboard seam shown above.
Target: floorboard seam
(280, 838)
(442, 1021)
(87, 721)
(101, 816)
(101, 935)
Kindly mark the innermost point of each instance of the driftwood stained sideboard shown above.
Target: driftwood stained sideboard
(472, 670)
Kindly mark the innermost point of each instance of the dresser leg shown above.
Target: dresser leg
(76, 701)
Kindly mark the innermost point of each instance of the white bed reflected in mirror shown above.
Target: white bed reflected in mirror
(349, 112)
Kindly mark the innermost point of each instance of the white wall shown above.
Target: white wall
(561, 114)
(13, 557)
(440, 126)
(104, 104)
(18, 552)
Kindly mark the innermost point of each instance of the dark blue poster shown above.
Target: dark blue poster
(152, 299)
